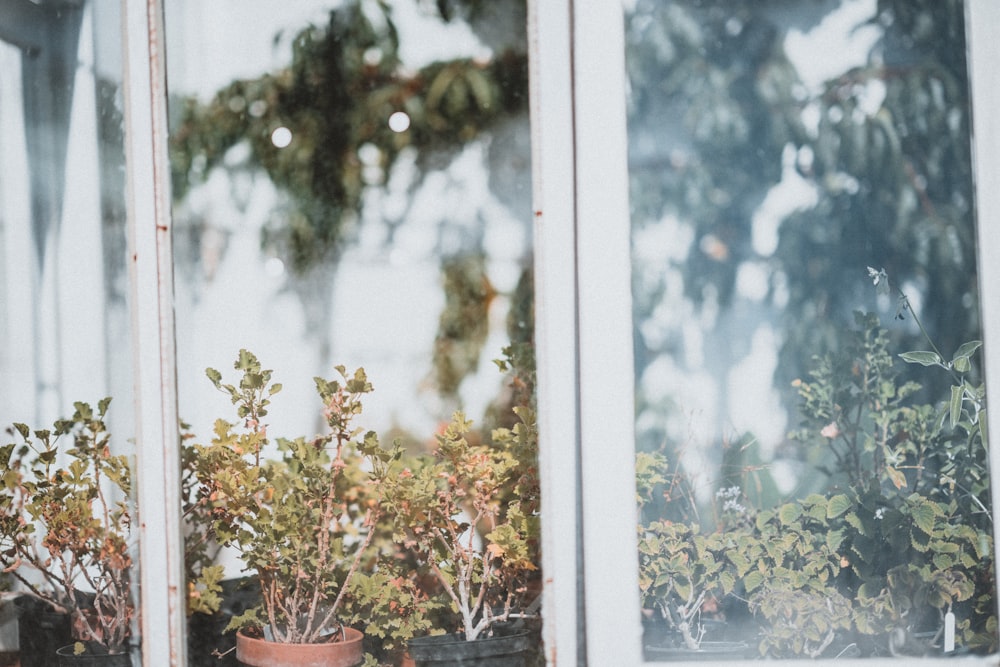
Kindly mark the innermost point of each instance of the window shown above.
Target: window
(767, 186)
(351, 186)
(402, 249)
(604, 476)
(582, 251)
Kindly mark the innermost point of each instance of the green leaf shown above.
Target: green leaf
(967, 350)
(834, 539)
(727, 581)
(818, 511)
(920, 542)
(740, 562)
(956, 404)
(762, 518)
(855, 522)
(838, 504)
(922, 358)
(752, 581)
(789, 513)
(923, 517)
(940, 546)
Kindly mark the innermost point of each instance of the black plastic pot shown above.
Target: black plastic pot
(94, 655)
(508, 650)
(209, 645)
(40, 631)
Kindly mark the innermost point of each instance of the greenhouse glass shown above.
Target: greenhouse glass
(809, 394)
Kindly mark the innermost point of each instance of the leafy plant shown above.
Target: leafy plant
(464, 323)
(790, 565)
(916, 532)
(202, 574)
(299, 512)
(448, 512)
(65, 523)
(391, 606)
(681, 571)
(680, 567)
(900, 542)
(966, 407)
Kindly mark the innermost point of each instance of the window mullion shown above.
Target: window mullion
(161, 572)
(606, 364)
(555, 322)
(982, 20)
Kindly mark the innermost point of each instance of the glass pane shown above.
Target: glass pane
(351, 187)
(64, 332)
(810, 410)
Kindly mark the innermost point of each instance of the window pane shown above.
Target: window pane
(810, 409)
(351, 186)
(64, 328)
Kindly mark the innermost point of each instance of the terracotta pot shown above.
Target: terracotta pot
(261, 653)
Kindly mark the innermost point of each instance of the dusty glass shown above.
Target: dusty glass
(320, 221)
(810, 411)
(64, 329)
(351, 186)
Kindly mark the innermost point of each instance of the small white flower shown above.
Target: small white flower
(733, 506)
(880, 279)
(731, 492)
(879, 513)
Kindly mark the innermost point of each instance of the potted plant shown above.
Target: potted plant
(912, 523)
(688, 574)
(297, 512)
(392, 607)
(789, 566)
(893, 557)
(684, 575)
(449, 513)
(65, 524)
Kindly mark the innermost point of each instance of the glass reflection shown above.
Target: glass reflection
(64, 335)
(812, 459)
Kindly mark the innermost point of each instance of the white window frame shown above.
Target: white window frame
(583, 318)
(162, 589)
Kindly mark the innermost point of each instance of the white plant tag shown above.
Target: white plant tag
(949, 632)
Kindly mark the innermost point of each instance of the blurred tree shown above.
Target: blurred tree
(719, 115)
(344, 82)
